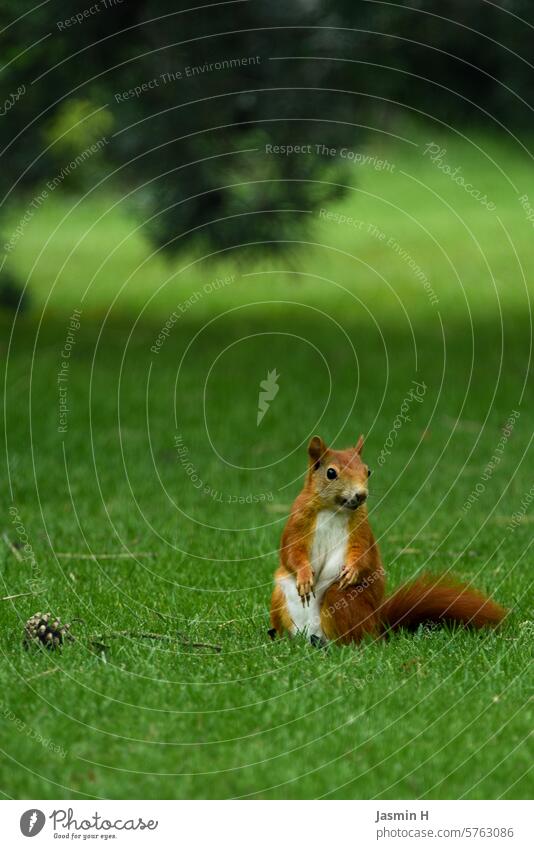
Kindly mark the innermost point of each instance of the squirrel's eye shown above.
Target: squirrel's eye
(369, 473)
(331, 474)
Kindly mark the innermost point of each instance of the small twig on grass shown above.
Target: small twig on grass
(12, 548)
(195, 645)
(46, 672)
(150, 635)
(19, 595)
(72, 555)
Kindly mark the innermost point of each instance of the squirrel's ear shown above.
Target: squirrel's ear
(316, 449)
(359, 444)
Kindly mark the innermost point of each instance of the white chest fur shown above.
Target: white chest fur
(329, 546)
(327, 556)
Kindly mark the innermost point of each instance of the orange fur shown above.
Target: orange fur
(439, 599)
(347, 615)
(354, 606)
(318, 493)
(280, 619)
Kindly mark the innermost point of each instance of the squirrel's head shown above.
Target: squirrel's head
(338, 478)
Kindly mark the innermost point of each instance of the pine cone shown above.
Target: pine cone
(46, 629)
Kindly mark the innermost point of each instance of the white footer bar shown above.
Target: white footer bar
(269, 824)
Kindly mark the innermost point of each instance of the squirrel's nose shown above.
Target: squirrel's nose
(356, 500)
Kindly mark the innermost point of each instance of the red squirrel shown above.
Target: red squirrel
(330, 582)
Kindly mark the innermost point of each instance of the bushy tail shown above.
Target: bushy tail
(439, 599)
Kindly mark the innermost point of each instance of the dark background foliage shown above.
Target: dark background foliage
(178, 146)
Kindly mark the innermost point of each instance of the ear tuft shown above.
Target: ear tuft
(359, 444)
(316, 449)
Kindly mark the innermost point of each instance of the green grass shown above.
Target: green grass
(438, 714)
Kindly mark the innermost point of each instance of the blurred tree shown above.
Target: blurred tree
(12, 298)
(181, 104)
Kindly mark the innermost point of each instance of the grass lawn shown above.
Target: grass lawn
(161, 473)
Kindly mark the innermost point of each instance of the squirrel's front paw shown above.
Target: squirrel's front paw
(349, 575)
(305, 586)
